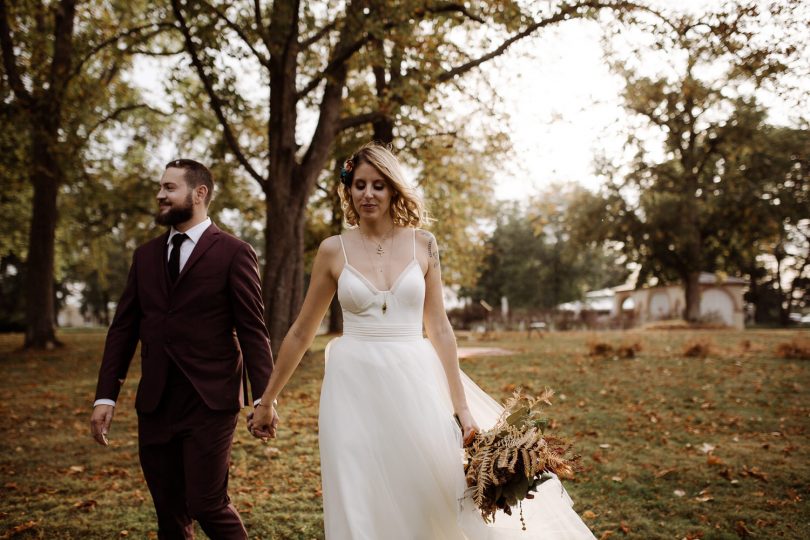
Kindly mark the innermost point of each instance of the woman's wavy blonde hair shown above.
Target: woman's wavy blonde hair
(407, 208)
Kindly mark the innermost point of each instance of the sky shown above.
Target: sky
(563, 106)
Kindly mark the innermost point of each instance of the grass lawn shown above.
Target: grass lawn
(672, 446)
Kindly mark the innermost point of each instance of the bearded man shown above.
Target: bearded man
(193, 300)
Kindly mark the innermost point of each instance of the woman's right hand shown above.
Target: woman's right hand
(468, 426)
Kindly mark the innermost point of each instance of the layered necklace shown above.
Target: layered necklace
(383, 271)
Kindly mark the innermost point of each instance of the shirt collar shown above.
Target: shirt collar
(193, 233)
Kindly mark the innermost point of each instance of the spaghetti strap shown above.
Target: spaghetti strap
(414, 243)
(345, 258)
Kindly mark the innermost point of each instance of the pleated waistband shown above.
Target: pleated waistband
(382, 332)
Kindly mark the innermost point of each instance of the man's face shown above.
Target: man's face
(175, 202)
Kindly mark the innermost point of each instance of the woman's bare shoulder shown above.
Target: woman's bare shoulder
(330, 246)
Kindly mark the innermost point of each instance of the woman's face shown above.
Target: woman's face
(371, 194)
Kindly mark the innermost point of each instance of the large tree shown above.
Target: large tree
(663, 209)
(63, 78)
(306, 55)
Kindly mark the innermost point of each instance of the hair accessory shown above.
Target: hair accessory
(346, 173)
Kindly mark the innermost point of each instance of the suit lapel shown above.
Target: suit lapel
(161, 262)
(208, 239)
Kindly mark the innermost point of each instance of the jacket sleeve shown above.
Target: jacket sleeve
(248, 313)
(122, 338)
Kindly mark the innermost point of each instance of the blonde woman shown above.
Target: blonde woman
(389, 444)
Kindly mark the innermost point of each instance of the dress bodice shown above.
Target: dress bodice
(387, 315)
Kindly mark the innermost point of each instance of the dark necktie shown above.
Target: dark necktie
(174, 256)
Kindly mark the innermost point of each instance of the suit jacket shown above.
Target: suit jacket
(210, 323)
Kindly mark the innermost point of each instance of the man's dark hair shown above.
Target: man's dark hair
(196, 174)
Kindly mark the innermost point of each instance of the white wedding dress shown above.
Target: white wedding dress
(391, 460)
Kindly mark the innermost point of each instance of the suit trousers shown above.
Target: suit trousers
(185, 450)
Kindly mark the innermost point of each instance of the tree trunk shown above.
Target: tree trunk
(283, 270)
(40, 307)
(335, 311)
(692, 297)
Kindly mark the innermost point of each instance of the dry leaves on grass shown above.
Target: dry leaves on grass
(17, 529)
(697, 348)
(796, 349)
(604, 349)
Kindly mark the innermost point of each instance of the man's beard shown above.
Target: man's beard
(176, 215)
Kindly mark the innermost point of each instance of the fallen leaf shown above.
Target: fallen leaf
(755, 473)
(86, 506)
(17, 529)
(587, 514)
(741, 530)
(711, 459)
(707, 448)
(665, 472)
(606, 534)
(679, 493)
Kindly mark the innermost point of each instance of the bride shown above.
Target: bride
(391, 461)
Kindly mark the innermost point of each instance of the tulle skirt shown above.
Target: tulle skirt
(391, 458)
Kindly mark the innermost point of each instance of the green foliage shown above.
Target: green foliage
(533, 259)
(719, 193)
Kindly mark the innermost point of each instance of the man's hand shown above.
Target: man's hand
(262, 422)
(100, 423)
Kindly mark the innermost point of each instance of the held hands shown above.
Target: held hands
(100, 423)
(262, 422)
(468, 426)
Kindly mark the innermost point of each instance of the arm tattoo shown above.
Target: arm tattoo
(433, 249)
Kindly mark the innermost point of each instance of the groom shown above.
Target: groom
(193, 300)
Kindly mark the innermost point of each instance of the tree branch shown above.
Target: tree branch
(338, 60)
(568, 12)
(216, 103)
(157, 28)
(452, 7)
(62, 49)
(113, 116)
(9, 60)
(314, 38)
(358, 120)
(263, 60)
(257, 14)
(118, 112)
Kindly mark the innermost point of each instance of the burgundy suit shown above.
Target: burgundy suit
(202, 338)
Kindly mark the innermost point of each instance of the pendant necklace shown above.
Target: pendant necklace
(380, 252)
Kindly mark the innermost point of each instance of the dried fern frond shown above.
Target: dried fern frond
(510, 460)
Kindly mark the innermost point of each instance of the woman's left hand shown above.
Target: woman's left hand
(468, 426)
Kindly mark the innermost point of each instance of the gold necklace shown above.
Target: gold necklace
(381, 252)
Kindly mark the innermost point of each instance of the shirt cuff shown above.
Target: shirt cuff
(258, 402)
(98, 402)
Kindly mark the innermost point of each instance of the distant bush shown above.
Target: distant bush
(624, 350)
(697, 349)
(797, 349)
(628, 350)
(599, 348)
